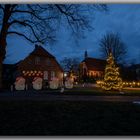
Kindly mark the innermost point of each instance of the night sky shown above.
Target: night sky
(123, 19)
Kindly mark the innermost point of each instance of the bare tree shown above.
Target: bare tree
(39, 23)
(70, 64)
(112, 42)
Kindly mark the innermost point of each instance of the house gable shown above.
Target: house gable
(95, 64)
(45, 60)
(92, 67)
(40, 62)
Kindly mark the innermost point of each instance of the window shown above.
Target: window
(29, 61)
(91, 73)
(52, 74)
(37, 60)
(45, 75)
(48, 62)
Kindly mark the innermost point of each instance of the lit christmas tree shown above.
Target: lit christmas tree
(112, 80)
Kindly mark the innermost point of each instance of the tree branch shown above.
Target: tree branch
(20, 34)
(24, 23)
(1, 7)
(30, 13)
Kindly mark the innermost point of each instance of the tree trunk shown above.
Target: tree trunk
(2, 56)
(2, 53)
(0, 75)
(3, 36)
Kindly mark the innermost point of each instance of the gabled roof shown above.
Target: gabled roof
(40, 51)
(95, 64)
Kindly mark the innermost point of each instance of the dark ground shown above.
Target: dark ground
(76, 112)
(68, 118)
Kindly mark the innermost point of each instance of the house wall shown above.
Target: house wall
(94, 73)
(83, 69)
(35, 65)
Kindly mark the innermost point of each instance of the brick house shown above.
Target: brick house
(39, 63)
(92, 67)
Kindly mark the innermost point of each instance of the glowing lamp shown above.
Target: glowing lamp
(65, 74)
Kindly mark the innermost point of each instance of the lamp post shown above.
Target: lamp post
(64, 77)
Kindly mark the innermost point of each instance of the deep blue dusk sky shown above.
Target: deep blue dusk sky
(121, 18)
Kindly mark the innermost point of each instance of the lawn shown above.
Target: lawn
(99, 92)
(95, 91)
(69, 118)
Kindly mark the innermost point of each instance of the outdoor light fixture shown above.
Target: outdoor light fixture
(134, 84)
(65, 74)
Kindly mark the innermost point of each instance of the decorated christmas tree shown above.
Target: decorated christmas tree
(112, 79)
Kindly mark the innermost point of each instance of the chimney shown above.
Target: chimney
(86, 54)
(37, 46)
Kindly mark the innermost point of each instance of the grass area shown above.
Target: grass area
(99, 92)
(95, 91)
(68, 118)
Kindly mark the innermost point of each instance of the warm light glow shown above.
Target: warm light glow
(131, 84)
(112, 80)
(32, 73)
(65, 74)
